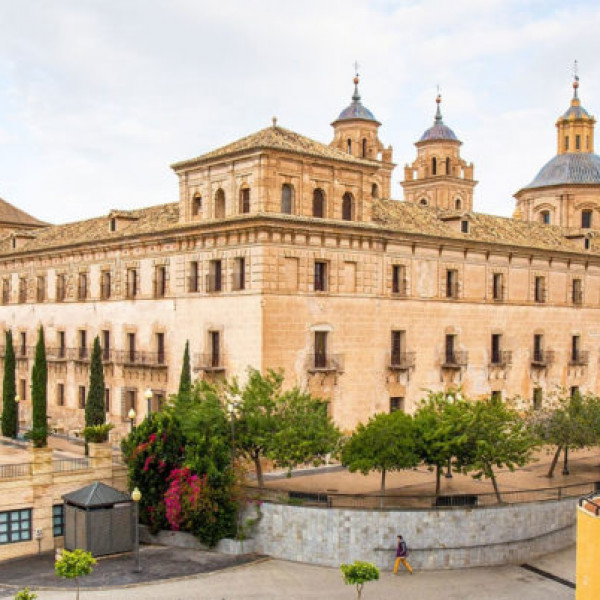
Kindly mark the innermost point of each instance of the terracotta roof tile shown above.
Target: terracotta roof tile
(11, 215)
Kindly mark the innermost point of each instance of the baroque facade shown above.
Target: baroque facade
(283, 252)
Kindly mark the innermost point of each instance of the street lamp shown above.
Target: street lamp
(148, 394)
(136, 496)
(131, 416)
(17, 400)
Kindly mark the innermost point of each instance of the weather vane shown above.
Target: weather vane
(356, 66)
(575, 71)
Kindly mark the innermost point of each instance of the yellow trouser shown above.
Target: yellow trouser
(404, 562)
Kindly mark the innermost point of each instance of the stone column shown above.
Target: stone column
(101, 461)
(42, 482)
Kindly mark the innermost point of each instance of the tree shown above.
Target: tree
(185, 379)
(39, 394)
(9, 390)
(95, 410)
(73, 565)
(385, 443)
(25, 595)
(496, 436)
(358, 574)
(440, 431)
(288, 428)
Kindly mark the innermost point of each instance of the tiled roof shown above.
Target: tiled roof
(12, 215)
(278, 138)
(570, 168)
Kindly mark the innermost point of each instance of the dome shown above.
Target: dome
(576, 112)
(569, 168)
(356, 110)
(439, 130)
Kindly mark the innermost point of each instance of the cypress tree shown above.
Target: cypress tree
(185, 380)
(95, 411)
(39, 394)
(9, 406)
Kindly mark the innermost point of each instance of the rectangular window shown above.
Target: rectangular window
(132, 283)
(398, 342)
(449, 350)
(320, 283)
(160, 348)
(61, 287)
(320, 349)
(58, 520)
(574, 391)
(105, 285)
(577, 292)
(23, 343)
(538, 348)
(131, 347)
(399, 280)
(451, 283)
(82, 286)
(396, 403)
(566, 142)
(498, 286)
(40, 295)
(215, 349)
(5, 291)
(15, 526)
(586, 219)
(193, 284)
(81, 396)
(62, 348)
(577, 142)
(130, 401)
(464, 226)
(239, 274)
(540, 289)
(496, 353)
(214, 277)
(105, 345)
(107, 399)
(160, 281)
(538, 396)
(575, 348)
(82, 351)
(22, 290)
(497, 395)
(60, 394)
(23, 386)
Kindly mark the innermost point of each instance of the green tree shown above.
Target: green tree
(496, 436)
(73, 565)
(39, 394)
(185, 379)
(440, 431)
(386, 443)
(9, 391)
(25, 595)
(358, 574)
(95, 411)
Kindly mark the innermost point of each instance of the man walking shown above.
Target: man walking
(401, 554)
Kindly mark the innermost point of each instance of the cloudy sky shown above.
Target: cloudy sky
(99, 97)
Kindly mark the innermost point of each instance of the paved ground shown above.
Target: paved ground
(276, 579)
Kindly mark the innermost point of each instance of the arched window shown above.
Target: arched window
(349, 146)
(586, 219)
(434, 166)
(458, 204)
(423, 202)
(287, 198)
(245, 200)
(318, 203)
(545, 217)
(220, 204)
(347, 206)
(364, 147)
(196, 205)
(447, 166)
(375, 190)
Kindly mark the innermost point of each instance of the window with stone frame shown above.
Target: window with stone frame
(82, 286)
(586, 219)
(577, 291)
(245, 200)
(320, 276)
(40, 291)
(132, 283)
(318, 203)
(539, 289)
(287, 199)
(498, 286)
(105, 285)
(348, 207)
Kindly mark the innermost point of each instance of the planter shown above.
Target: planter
(236, 547)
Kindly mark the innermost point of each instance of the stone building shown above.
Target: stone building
(288, 253)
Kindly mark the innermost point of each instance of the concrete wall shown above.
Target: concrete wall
(437, 539)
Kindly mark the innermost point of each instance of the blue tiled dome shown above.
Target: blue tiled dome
(569, 168)
(577, 112)
(439, 130)
(356, 110)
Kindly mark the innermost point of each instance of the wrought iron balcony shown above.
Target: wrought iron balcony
(137, 358)
(57, 354)
(401, 361)
(455, 360)
(81, 354)
(542, 358)
(325, 363)
(501, 359)
(580, 358)
(211, 362)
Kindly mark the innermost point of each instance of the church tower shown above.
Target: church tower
(439, 176)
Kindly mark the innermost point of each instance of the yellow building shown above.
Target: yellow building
(588, 550)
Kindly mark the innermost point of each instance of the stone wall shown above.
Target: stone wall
(437, 539)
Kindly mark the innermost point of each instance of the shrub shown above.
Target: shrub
(25, 595)
(358, 574)
(97, 434)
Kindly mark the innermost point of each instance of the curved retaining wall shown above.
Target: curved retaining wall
(437, 539)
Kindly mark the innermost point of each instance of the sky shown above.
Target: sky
(99, 97)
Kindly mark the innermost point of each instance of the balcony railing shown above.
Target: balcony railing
(455, 359)
(136, 358)
(209, 362)
(542, 358)
(401, 361)
(57, 354)
(80, 354)
(580, 358)
(501, 358)
(325, 363)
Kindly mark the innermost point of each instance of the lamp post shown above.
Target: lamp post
(131, 415)
(17, 400)
(148, 394)
(136, 496)
(450, 399)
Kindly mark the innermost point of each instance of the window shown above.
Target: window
(113, 224)
(566, 143)
(320, 349)
(105, 345)
(62, 346)
(160, 281)
(245, 200)
(214, 276)
(586, 243)
(447, 166)
(423, 202)
(349, 146)
(574, 391)
(576, 291)
(5, 291)
(399, 280)
(538, 348)
(82, 286)
(586, 219)
(464, 226)
(319, 203)
(577, 142)
(58, 520)
(193, 277)
(131, 347)
(40, 295)
(22, 290)
(60, 394)
(107, 399)
(398, 344)
(545, 217)
(61, 287)
(82, 350)
(457, 204)
(575, 349)
(496, 357)
(287, 198)
(538, 397)
(220, 204)
(540, 289)
(215, 348)
(347, 207)
(196, 206)
(160, 348)
(105, 285)
(15, 526)
(320, 284)
(130, 401)
(81, 396)
(434, 166)
(23, 344)
(498, 286)
(497, 395)
(132, 283)
(239, 273)
(396, 403)
(23, 389)
(451, 283)
(364, 147)
(375, 190)
(450, 357)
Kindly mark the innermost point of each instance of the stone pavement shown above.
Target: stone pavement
(276, 579)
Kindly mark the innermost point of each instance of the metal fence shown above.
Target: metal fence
(18, 470)
(415, 502)
(65, 465)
